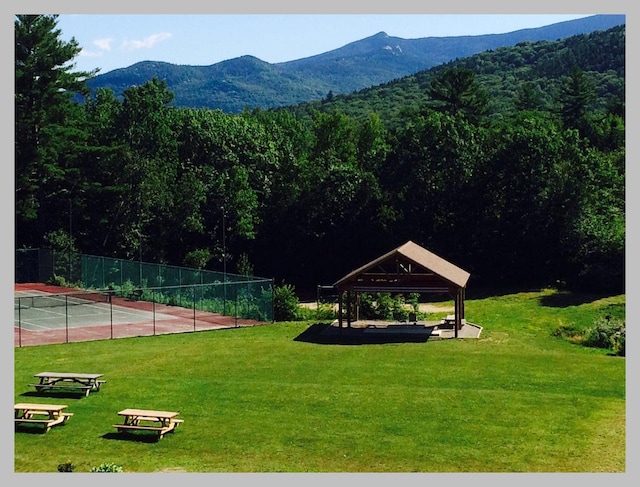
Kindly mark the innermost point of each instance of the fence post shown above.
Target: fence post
(66, 317)
(111, 313)
(19, 324)
(236, 312)
(153, 309)
(273, 298)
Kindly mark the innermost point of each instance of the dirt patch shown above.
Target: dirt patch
(434, 308)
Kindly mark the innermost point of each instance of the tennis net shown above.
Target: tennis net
(55, 300)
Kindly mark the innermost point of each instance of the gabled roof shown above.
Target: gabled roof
(419, 256)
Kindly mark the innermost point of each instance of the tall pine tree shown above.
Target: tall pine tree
(457, 93)
(46, 122)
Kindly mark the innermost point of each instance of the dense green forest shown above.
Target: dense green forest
(510, 164)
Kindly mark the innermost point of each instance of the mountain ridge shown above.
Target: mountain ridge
(248, 82)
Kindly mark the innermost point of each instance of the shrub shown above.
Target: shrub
(570, 331)
(383, 306)
(66, 467)
(127, 287)
(305, 314)
(197, 259)
(606, 333)
(56, 280)
(619, 339)
(367, 306)
(414, 301)
(324, 311)
(398, 310)
(243, 266)
(285, 303)
(107, 467)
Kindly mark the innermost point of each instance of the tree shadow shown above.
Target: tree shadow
(564, 299)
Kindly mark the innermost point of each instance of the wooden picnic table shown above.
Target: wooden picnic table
(160, 422)
(68, 381)
(450, 320)
(47, 415)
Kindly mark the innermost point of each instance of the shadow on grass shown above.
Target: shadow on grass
(54, 394)
(324, 334)
(32, 429)
(144, 437)
(565, 299)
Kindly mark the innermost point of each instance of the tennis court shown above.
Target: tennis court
(37, 311)
(49, 314)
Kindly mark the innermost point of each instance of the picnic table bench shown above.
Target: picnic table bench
(160, 422)
(68, 381)
(47, 415)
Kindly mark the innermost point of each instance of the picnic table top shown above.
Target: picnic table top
(39, 407)
(148, 412)
(67, 375)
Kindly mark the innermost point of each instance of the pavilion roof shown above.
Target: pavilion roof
(417, 266)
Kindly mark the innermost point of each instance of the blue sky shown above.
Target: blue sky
(115, 41)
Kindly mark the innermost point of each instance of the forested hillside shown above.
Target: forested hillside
(510, 163)
(530, 73)
(247, 82)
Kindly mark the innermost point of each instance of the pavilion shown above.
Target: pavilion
(409, 268)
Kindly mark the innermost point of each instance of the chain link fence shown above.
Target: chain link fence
(246, 297)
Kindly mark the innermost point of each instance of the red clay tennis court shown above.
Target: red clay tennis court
(71, 319)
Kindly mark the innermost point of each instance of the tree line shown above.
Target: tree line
(535, 197)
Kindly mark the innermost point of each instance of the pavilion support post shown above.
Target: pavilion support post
(349, 308)
(346, 308)
(457, 311)
(340, 293)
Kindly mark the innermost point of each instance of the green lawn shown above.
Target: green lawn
(257, 400)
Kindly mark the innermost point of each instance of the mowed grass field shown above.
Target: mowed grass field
(261, 399)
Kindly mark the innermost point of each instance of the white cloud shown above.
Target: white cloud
(147, 43)
(87, 53)
(104, 44)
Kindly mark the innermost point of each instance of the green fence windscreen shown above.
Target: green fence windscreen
(226, 293)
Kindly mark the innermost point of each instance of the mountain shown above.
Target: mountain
(248, 82)
(538, 69)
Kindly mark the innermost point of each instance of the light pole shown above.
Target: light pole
(224, 245)
(70, 219)
(224, 261)
(70, 236)
(70, 198)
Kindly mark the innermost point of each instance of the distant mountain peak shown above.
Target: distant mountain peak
(247, 81)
